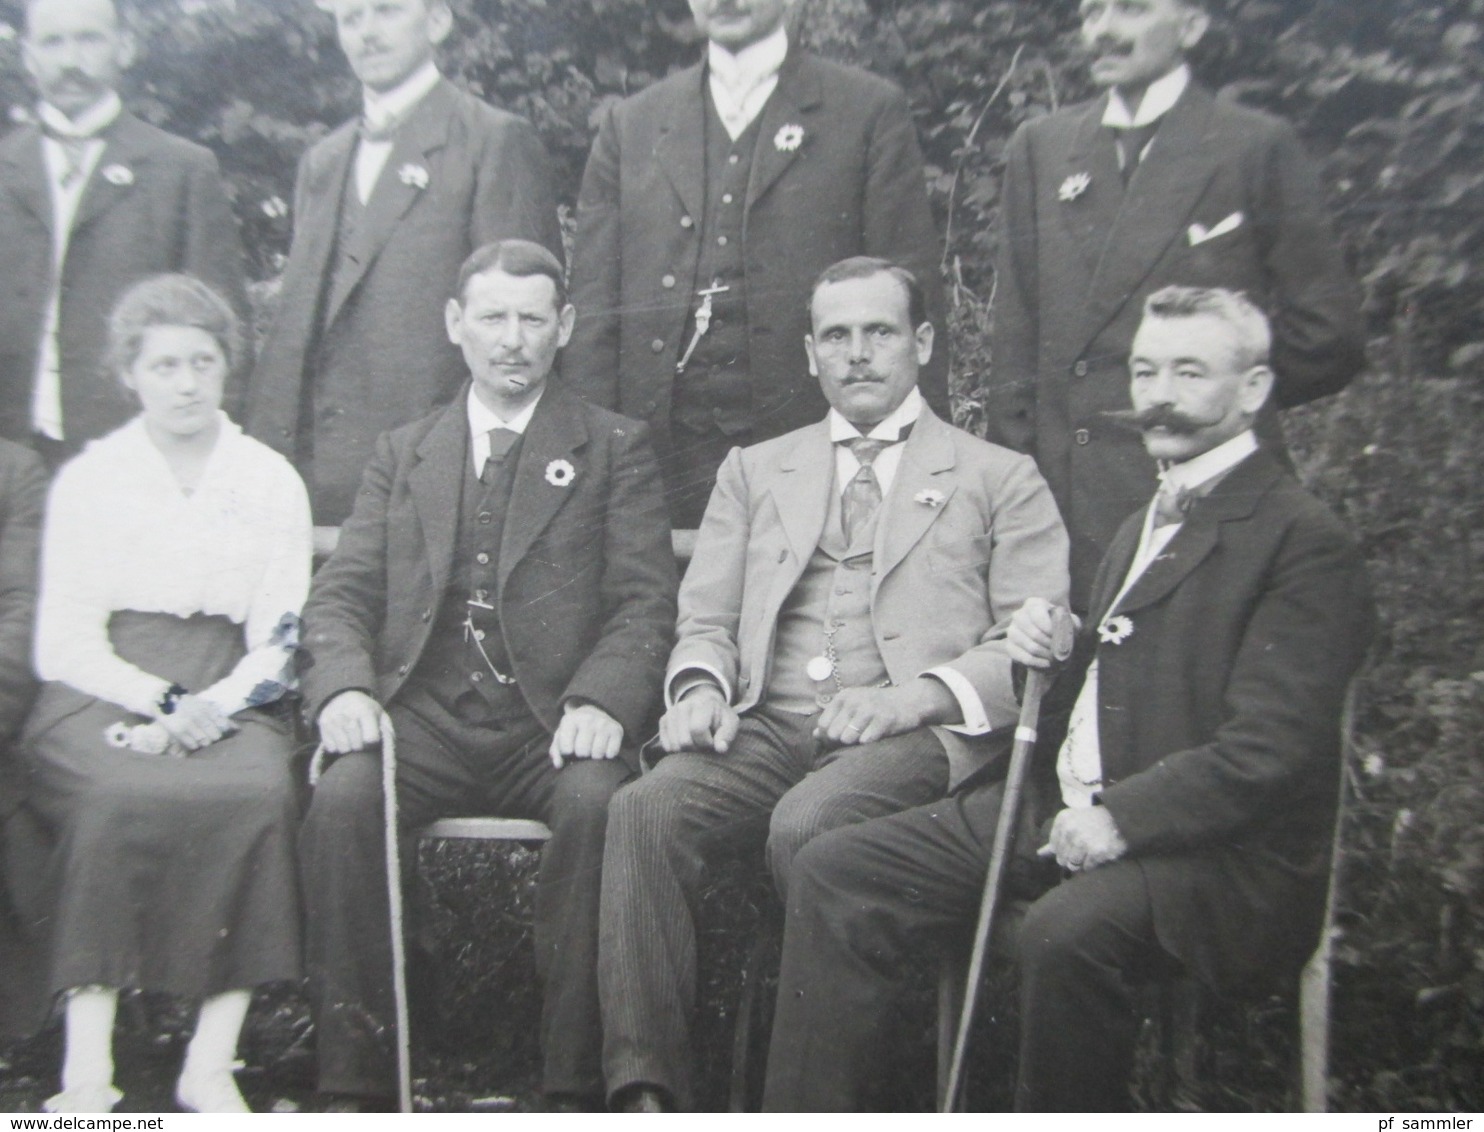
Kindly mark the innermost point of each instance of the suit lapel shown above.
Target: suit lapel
(126, 147)
(436, 485)
(680, 151)
(801, 496)
(793, 103)
(315, 231)
(1156, 207)
(423, 134)
(23, 172)
(1092, 217)
(926, 456)
(556, 432)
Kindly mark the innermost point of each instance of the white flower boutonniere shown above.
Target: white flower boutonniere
(1073, 187)
(788, 138)
(414, 175)
(118, 174)
(929, 497)
(1115, 630)
(559, 473)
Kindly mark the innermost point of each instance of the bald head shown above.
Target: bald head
(75, 51)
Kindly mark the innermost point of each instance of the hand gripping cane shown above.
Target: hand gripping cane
(394, 901)
(1036, 682)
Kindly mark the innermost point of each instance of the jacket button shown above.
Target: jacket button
(1080, 369)
(667, 282)
(657, 345)
(401, 670)
(721, 241)
(427, 615)
(477, 677)
(686, 222)
(485, 517)
(726, 198)
(482, 558)
(1081, 436)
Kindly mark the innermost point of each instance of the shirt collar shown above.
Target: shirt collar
(91, 122)
(1162, 94)
(889, 429)
(754, 64)
(384, 109)
(1191, 473)
(482, 418)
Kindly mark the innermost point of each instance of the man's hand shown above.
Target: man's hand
(1083, 839)
(350, 722)
(196, 723)
(701, 720)
(585, 732)
(1031, 639)
(863, 715)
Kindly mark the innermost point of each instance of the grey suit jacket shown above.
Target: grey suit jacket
(1074, 274)
(372, 348)
(154, 203)
(968, 532)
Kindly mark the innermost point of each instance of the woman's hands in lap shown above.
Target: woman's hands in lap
(196, 723)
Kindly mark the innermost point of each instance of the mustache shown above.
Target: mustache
(1159, 416)
(1106, 46)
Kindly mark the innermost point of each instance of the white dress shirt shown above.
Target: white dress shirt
(46, 396)
(120, 534)
(482, 418)
(1079, 764)
(741, 84)
(1158, 98)
(383, 112)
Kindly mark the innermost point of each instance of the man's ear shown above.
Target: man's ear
(453, 319)
(440, 21)
(566, 320)
(1257, 387)
(924, 335)
(809, 349)
(1193, 30)
(127, 50)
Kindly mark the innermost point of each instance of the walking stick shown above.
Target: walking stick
(1036, 682)
(394, 901)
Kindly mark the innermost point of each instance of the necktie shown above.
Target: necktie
(74, 152)
(380, 132)
(1171, 502)
(502, 440)
(862, 494)
(1132, 141)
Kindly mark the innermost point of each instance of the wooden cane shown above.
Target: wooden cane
(394, 907)
(1036, 682)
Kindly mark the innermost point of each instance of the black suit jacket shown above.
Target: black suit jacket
(1073, 275)
(586, 589)
(154, 203)
(1219, 717)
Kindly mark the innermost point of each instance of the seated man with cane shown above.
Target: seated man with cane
(504, 594)
(1198, 778)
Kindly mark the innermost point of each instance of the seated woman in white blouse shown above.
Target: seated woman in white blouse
(176, 556)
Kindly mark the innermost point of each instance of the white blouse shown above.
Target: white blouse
(121, 535)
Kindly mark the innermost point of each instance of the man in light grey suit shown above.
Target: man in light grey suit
(841, 651)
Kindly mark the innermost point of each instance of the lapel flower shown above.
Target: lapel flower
(414, 175)
(1115, 630)
(1073, 187)
(929, 497)
(788, 138)
(118, 175)
(559, 473)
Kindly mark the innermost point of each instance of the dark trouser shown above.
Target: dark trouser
(690, 464)
(448, 767)
(660, 830)
(867, 899)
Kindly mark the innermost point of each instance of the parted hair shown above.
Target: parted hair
(1248, 323)
(170, 300)
(513, 257)
(865, 266)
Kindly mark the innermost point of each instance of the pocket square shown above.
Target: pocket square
(1199, 233)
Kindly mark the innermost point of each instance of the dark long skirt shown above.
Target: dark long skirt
(165, 874)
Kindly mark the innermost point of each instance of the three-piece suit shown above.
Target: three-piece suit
(358, 344)
(1218, 714)
(1224, 197)
(829, 169)
(153, 203)
(562, 563)
(967, 532)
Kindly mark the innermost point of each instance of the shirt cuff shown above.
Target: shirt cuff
(692, 676)
(975, 719)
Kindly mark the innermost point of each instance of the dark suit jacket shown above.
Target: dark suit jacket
(154, 203)
(1219, 718)
(854, 186)
(586, 574)
(384, 358)
(1073, 277)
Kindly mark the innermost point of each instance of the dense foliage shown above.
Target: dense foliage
(1387, 93)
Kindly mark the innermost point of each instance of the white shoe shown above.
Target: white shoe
(84, 1098)
(212, 1091)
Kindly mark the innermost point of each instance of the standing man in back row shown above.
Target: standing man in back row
(385, 210)
(711, 202)
(1153, 183)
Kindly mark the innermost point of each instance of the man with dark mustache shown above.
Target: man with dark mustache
(386, 208)
(840, 651)
(1153, 183)
(1197, 780)
(92, 199)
